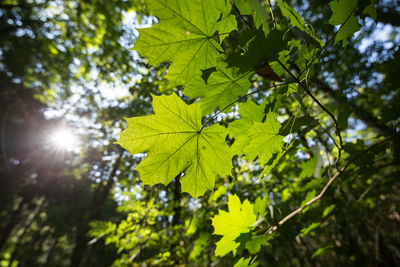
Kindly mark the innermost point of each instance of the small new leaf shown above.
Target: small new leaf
(238, 220)
(176, 143)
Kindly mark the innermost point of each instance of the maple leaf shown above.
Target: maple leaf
(223, 87)
(254, 137)
(342, 13)
(265, 140)
(278, 157)
(249, 112)
(256, 54)
(238, 220)
(185, 35)
(177, 143)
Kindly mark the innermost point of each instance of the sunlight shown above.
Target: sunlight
(64, 139)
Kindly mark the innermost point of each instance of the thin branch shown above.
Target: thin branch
(240, 15)
(272, 13)
(253, 260)
(330, 136)
(321, 105)
(327, 185)
(330, 40)
(291, 127)
(238, 99)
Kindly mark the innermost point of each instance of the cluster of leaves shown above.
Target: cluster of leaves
(282, 50)
(264, 112)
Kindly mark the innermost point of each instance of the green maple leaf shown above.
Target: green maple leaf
(238, 220)
(223, 87)
(176, 143)
(260, 49)
(342, 13)
(249, 112)
(278, 157)
(185, 35)
(265, 140)
(254, 245)
(254, 137)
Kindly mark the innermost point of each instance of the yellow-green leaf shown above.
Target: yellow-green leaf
(265, 140)
(185, 35)
(176, 143)
(249, 112)
(223, 87)
(238, 220)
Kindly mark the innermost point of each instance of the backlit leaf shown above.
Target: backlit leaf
(244, 262)
(230, 224)
(176, 143)
(264, 140)
(185, 35)
(249, 112)
(223, 87)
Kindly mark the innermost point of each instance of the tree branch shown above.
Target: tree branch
(327, 185)
(320, 105)
(360, 112)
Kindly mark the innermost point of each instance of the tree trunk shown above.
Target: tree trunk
(99, 198)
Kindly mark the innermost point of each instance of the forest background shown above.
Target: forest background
(70, 196)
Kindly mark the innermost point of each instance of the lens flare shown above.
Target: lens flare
(64, 139)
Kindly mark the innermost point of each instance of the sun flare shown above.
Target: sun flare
(64, 139)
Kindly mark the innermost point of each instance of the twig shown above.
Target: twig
(240, 15)
(322, 106)
(240, 98)
(253, 260)
(327, 185)
(330, 40)
(272, 13)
